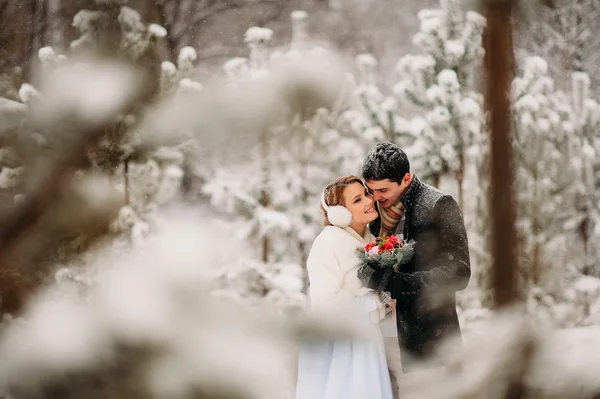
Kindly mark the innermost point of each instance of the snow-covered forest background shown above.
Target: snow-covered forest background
(161, 165)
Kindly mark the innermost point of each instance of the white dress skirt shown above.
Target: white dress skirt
(346, 369)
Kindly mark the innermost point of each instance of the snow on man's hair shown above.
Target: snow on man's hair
(385, 161)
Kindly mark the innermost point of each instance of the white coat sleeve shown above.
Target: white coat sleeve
(324, 277)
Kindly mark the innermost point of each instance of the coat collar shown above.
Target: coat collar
(362, 240)
(408, 199)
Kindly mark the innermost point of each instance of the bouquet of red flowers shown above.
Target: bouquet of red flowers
(384, 253)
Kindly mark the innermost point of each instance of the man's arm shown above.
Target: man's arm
(451, 267)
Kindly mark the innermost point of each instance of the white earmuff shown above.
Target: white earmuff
(338, 215)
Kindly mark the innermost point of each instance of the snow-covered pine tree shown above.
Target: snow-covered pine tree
(10, 83)
(151, 174)
(299, 29)
(251, 189)
(549, 176)
(114, 29)
(318, 154)
(565, 38)
(586, 117)
(373, 116)
(177, 77)
(568, 34)
(147, 173)
(478, 220)
(293, 174)
(12, 163)
(247, 192)
(258, 40)
(441, 80)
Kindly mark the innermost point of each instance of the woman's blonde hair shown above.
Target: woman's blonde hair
(334, 193)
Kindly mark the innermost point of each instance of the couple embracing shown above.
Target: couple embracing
(421, 291)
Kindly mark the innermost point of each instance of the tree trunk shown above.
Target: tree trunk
(535, 258)
(159, 13)
(265, 198)
(460, 176)
(579, 44)
(126, 182)
(54, 33)
(16, 19)
(111, 175)
(39, 28)
(15, 289)
(266, 242)
(436, 180)
(499, 64)
(584, 235)
(302, 247)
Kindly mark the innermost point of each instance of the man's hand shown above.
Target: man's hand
(365, 274)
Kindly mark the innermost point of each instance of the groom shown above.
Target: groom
(425, 287)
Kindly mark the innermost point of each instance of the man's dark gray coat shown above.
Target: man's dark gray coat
(425, 287)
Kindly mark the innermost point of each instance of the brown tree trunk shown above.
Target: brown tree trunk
(499, 64)
(159, 13)
(535, 258)
(15, 290)
(535, 264)
(126, 182)
(266, 242)
(584, 235)
(436, 180)
(38, 32)
(54, 33)
(265, 197)
(460, 177)
(302, 247)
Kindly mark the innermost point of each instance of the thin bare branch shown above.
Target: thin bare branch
(214, 8)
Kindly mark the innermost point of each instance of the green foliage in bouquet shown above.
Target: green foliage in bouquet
(386, 252)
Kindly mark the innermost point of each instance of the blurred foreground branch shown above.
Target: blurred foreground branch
(75, 113)
(28, 213)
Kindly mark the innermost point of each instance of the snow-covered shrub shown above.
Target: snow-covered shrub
(275, 188)
(149, 324)
(441, 81)
(372, 116)
(549, 168)
(87, 116)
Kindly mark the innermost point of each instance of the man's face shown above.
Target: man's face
(387, 192)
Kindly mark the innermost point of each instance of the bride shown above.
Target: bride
(353, 368)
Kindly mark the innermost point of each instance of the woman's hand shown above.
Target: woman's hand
(390, 305)
(384, 297)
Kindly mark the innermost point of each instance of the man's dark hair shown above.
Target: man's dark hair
(385, 161)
